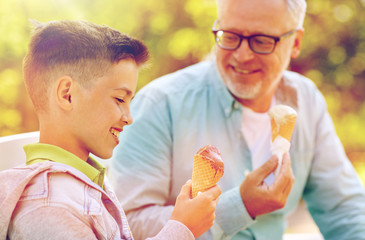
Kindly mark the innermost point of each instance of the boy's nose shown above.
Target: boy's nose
(127, 118)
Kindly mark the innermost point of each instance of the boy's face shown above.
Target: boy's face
(102, 111)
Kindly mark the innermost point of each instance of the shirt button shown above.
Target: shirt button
(235, 105)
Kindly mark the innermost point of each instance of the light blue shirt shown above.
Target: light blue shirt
(179, 113)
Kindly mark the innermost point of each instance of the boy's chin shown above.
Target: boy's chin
(103, 156)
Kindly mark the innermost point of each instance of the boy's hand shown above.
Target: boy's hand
(198, 213)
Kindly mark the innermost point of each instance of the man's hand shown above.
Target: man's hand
(198, 213)
(258, 197)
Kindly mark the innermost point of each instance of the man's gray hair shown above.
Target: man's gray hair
(296, 9)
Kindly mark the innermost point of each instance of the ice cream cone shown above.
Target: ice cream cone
(206, 170)
(282, 124)
(285, 130)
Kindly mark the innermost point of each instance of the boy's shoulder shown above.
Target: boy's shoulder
(35, 180)
(46, 183)
(13, 182)
(47, 187)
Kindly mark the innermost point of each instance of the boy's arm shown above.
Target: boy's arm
(50, 223)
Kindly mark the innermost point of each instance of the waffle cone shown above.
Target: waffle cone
(205, 174)
(285, 130)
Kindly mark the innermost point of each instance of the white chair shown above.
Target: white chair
(12, 153)
(11, 149)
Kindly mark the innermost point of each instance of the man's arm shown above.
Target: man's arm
(334, 194)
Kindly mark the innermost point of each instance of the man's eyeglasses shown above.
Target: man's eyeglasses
(258, 43)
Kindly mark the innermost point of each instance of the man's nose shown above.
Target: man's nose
(243, 53)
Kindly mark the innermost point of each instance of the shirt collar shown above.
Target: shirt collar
(287, 93)
(226, 99)
(39, 152)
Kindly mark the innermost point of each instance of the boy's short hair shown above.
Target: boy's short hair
(79, 49)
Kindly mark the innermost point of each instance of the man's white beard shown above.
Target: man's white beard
(244, 91)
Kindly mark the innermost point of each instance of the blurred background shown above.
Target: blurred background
(178, 34)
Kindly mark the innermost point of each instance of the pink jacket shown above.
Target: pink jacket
(50, 200)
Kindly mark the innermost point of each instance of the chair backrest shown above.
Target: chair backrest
(11, 149)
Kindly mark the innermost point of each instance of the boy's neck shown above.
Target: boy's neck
(61, 139)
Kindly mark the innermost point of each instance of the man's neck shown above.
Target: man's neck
(259, 105)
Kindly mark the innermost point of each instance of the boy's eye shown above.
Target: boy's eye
(120, 100)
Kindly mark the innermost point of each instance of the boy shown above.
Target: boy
(81, 78)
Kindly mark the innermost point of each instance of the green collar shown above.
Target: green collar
(39, 152)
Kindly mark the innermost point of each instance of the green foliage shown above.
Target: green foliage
(333, 56)
(178, 34)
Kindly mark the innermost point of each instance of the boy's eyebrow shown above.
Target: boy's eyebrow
(128, 92)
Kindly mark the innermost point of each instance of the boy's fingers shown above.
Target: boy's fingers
(185, 190)
(212, 193)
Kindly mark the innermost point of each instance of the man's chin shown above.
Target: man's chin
(245, 92)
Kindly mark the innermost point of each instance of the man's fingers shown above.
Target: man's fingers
(289, 172)
(266, 169)
(285, 179)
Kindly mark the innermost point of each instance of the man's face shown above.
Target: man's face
(248, 75)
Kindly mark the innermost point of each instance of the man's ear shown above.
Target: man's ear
(297, 44)
(64, 88)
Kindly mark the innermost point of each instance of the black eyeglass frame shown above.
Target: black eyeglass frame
(241, 37)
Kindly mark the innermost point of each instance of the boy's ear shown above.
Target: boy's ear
(64, 89)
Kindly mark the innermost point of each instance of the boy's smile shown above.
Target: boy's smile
(116, 133)
(102, 110)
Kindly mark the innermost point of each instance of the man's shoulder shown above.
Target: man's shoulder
(186, 79)
(301, 83)
(307, 95)
(195, 70)
(297, 78)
